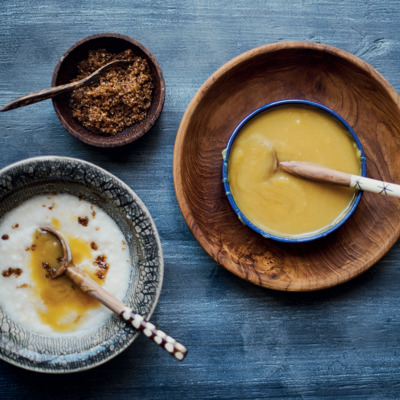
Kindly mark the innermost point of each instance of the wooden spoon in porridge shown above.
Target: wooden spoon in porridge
(88, 285)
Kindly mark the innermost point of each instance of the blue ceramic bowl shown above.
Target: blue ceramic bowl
(295, 238)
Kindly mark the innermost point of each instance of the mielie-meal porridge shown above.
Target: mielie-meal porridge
(56, 306)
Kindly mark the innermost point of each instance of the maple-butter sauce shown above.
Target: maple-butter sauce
(280, 203)
(98, 247)
(64, 302)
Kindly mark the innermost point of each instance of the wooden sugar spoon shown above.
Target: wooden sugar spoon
(319, 173)
(56, 90)
(88, 285)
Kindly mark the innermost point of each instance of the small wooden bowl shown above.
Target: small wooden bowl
(66, 70)
(312, 71)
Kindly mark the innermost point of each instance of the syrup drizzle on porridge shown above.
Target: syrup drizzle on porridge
(56, 306)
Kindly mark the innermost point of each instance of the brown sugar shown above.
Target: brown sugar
(84, 221)
(11, 271)
(103, 266)
(121, 97)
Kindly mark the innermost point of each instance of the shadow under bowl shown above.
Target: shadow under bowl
(67, 69)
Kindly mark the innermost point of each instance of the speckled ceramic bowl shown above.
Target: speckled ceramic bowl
(31, 177)
(66, 70)
(308, 236)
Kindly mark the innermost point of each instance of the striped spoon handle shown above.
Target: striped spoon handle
(92, 288)
(323, 174)
(159, 337)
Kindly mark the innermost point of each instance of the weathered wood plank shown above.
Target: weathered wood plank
(244, 342)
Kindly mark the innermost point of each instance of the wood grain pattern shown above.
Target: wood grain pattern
(316, 172)
(286, 70)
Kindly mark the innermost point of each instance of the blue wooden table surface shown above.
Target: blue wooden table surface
(245, 342)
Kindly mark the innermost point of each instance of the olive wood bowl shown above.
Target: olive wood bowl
(311, 71)
(66, 70)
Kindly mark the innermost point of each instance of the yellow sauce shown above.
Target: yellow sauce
(276, 201)
(63, 302)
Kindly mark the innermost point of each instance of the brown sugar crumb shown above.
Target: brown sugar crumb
(15, 226)
(93, 246)
(93, 212)
(102, 265)
(52, 206)
(50, 271)
(24, 285)
(100, 275)
(121, 97)
(5, 237)
(84, 221)
(11, 271)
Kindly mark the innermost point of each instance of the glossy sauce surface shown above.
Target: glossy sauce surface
(278, 202)
(98, 247)
(64, 303)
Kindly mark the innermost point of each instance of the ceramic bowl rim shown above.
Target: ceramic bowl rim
(239, 213)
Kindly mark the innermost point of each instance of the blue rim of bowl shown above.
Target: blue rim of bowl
(243, 218)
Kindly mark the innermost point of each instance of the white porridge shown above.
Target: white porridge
(56, 306)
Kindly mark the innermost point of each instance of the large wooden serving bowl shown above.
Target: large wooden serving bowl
(285, 70)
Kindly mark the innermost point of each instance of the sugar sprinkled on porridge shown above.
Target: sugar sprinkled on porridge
(56, 306)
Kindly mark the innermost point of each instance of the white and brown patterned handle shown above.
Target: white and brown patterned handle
(92, 288)
(151, 331)
(323, 174)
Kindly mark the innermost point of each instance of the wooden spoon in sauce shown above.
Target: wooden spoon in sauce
(319, 173)
(88, 285)
(56, 90)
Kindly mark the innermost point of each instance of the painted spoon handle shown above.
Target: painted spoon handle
(159, 337)
(91, 287)
(323, 174)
